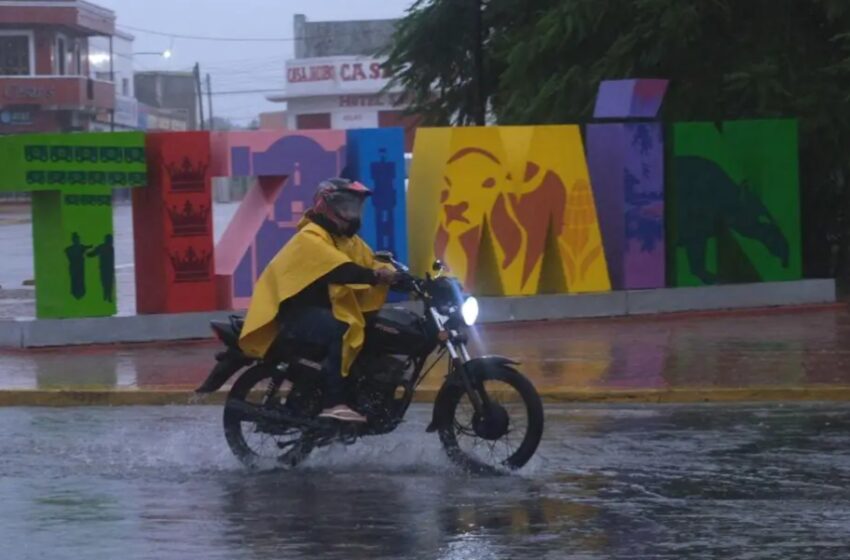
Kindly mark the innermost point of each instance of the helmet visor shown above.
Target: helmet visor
(346, 204)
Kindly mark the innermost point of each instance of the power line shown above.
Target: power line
(252, 59)
(242, 117)
(211, 38)
(235, 75)
(243, 68)
(249, 86)
(247, 91)
(329, 36)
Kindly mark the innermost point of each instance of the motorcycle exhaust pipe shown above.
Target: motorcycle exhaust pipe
(253, 412)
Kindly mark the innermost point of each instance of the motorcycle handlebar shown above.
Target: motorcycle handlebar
(407, 282)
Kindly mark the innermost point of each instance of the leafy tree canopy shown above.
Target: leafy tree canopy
(726, 59)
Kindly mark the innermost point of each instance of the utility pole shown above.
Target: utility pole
(478, 62)
(209, 99)
(197, 71)
(114, 85)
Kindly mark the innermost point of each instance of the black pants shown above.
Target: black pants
(317, 326)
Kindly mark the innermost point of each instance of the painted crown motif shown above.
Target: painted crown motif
(191, 267)
(187, 176)
(190, 220)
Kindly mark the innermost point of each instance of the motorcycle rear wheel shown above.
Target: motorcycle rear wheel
(249, 439)
(515, 397)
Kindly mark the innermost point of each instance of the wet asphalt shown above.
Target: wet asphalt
(675, 481)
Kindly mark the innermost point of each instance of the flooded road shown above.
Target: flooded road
(608, 482)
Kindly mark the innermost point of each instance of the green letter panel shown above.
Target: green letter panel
(733, 203)
(71, 177)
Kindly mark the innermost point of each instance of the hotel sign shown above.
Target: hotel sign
(335, 76)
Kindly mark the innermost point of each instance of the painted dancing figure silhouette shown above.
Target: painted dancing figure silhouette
(106, 256)
(384, 201)
(76, 253)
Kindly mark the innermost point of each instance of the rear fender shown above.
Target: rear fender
(228, 362)
(225, 332)
(475, 369)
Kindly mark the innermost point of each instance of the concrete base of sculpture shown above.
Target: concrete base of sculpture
(31, 333)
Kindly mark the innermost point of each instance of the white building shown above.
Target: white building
(334, 81)
(126, 106)
(338, 92)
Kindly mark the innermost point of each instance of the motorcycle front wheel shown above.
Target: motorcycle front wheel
(258, 442)
(505, 437)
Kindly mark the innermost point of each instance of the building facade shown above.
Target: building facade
(169, 99)
(274, 120)
(157, 119)
(46, 84)
(118, 64)
(336, 79)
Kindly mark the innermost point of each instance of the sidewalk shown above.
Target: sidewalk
(737, 356)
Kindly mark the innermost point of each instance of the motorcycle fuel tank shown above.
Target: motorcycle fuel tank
(397, 331)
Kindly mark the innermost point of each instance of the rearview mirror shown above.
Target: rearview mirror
(384, 256)
(438, 266)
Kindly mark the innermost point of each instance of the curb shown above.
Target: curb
(823, 393)
(32, 333)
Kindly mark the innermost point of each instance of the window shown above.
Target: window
(125, 87)
(14, 55)
(60, 56)
(313, 121)
(78, 62)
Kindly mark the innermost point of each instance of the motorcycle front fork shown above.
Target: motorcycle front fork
(474, 390)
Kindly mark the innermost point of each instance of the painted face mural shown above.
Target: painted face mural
(474, 185)
(516, 214)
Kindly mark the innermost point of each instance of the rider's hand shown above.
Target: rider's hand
(386, 276)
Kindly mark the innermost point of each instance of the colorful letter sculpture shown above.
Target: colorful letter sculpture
(289, 167)
(173, 226)
(375, 158)
(510, 209)
(71, 177)
(626, 163)
(734, 203)
(513, 211)
(633, 99)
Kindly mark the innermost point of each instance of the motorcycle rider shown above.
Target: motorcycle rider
(318, 288)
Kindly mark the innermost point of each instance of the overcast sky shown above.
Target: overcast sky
(233, 65)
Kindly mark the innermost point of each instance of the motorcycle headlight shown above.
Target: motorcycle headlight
(469, 310)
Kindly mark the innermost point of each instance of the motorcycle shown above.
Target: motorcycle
(489, 417)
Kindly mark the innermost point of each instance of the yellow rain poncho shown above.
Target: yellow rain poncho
(309, 255)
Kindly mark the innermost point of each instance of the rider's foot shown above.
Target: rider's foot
(342, 413)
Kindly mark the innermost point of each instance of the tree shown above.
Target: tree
(432, 57)
(726, 59)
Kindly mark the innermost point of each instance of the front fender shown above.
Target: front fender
(475, 369)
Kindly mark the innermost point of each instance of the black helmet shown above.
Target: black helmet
(338, 205)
